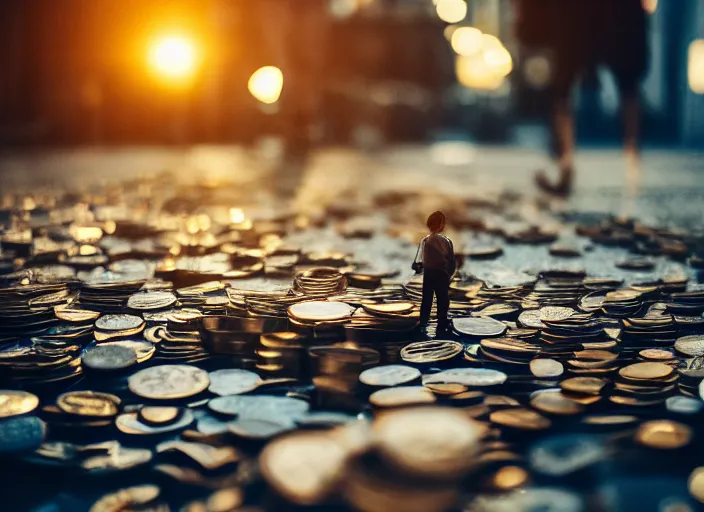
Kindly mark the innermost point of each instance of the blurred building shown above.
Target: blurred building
(77, 72)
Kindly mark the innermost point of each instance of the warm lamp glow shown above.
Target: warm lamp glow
(695, 66)
(174, 57)
(467, 41)
(451, 11)
(266, 84)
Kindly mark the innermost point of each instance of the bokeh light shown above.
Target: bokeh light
(475, 73)
(499, 60)
(467, 41)
(451, 11)
(537, 71)
(174, 57)
(695, 66)
(650, 6)
(266, 84)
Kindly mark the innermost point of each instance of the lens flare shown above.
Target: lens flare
(174, 57)
(266, 84)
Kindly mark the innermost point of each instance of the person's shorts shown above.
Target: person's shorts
(581, 35)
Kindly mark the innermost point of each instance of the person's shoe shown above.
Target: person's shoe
(562, 189)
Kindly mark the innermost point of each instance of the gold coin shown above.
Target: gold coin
(523, 419)
(428, 441)
(16, 403)
(555, 403)
(126, 499)
(168, 382)
(446, 388)
(646, 371)
(584, 385)
(89, 403)
(656, 354)
(225, 500)
(695, 484)
(663, 434)
(305, 468)
(402, 395)
(508, 478)
(155, 415)
(615, 419)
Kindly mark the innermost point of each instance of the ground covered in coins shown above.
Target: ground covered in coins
(212, 330)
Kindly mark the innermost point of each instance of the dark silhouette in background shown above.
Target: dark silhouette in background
(438, 266)
(580, 36)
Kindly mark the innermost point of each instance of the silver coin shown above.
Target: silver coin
(683, 405)
(692, 346)
(168, 382)
(149, 301)
(468, 377)
(109, 357)
(233, 382)
(259, 406)
(389, 375)
(484, 327)
(118, 322)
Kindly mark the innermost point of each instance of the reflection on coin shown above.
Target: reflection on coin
(583, 385)
(118, 322)
(16, 403)
(89, 403)
(168, 382)
(132, 497)
(430, 442)
(109, 357)
(401, 396)
(615, 419)
(259, 407)
(663, 434)
(523, 419)
(546, 368)
(389, 375)
(471, 377)
(304, 468)
(508, 478)
(233, 382)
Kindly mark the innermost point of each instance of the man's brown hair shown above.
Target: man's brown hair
(436, 221)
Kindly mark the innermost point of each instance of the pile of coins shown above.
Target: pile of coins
(216, 364)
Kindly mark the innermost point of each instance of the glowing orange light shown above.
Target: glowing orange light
(266, 84)
(174, 57)
(650, 6)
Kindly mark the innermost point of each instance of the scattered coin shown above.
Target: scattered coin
(663, 434)
(546, 368)
(89, 403)
(389, 375)
(168, 382)
(109, 357)
(431, 351)
(131, 497)
(17, 403)
(233, 382)
(401, 396)
(156, 415)
(118, 322)
(522, 419)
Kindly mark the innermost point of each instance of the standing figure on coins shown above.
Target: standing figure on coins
(437, 262)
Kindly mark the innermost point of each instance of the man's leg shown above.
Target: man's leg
(427, 303)
(442, 293)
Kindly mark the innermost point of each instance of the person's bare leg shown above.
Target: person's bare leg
(563, 134)
(630, 113)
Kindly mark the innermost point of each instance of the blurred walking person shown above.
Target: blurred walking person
(579, 36)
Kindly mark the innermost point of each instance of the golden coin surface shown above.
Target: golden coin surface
(305, 468)
(446, 389)
(402, 395)
(555, 403)
(79, 316)
(389, 308)
(695, 484)
(508, 478)
(646, 371)
(16, 403)
(664, 434)
(389, 375)
(656, 354)
(126, 499)
(615, 419)
(225, 500)
(584, 385)
(89, 403)
(155, 415)
(168, 382)
(428, 441)
(320, 311)
(431, 351)
(524, 419)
